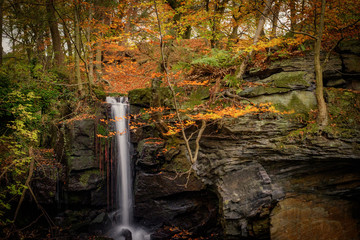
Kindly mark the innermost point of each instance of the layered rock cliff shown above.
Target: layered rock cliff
(267, 176)
(274, 176)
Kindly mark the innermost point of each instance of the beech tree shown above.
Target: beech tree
(55, 33)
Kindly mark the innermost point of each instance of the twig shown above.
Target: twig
(31, 171)
(6, 169)
(229, 94)
(33, 222)
(46, 215)
(171, 87)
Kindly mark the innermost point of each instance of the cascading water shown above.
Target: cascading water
(124, 201)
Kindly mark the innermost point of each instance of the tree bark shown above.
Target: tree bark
(28, 179)
(220, 6)
(89, 49)
(98, 60)
(322, 118)
(236, 17)
(258, 32)
(275, 18)
(175, 4)
(77, 52)
(1, 30)
(68, 41)
(55, 34)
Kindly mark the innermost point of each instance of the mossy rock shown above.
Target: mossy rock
(282, 82)
(299, 101)
(99, 93)
(88, 175)
(178, 164)
(141, 97)
(292, 80)
(261, 90)
(197, 97)
(166, 97)
(343, 106)
(351, 46)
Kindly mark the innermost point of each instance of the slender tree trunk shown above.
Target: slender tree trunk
(234, 34)
(77, 52)
(99, 16)
(98, 57)
(90, 50)
(218, 13)
(1, 30)
(292, 14)
(322, 119)
(275, 18)
(98, 60)
(175, 4)
(55, 34)
(258, 32)
(68, 41)
(236, 15)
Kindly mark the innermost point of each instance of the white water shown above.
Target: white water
(123, 192)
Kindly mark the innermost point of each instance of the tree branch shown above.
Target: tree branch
(31, 171)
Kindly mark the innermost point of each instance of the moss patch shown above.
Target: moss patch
(196, 97)
(344, 110)
(292, 80)
(85, 177)
(140, 97)
(261, 90)
(179, 164)
(299, 101)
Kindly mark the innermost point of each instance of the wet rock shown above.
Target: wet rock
(164, 199)
(149, 153)
(125, 234)
(152, 186)
(80, 145)
(86, 180)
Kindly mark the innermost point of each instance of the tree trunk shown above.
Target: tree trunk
(218, 13)
(68, 41)
(322, 118)
(98, 60)
(90, 50)
(258, 32)
(275, 18)
(175, 4)
(55, 34)
(77, 52)
(292, 15)
(1, 30)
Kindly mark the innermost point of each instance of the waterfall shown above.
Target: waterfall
(124, 190)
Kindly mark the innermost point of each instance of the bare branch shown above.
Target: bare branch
(31, 171)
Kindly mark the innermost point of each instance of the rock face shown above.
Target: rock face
(259, 169)
(273, 176)
(164, 198)
(83, 178)
(309, 217)
(75, 194)
(257, 177)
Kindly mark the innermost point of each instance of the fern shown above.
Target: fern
(217, 58)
